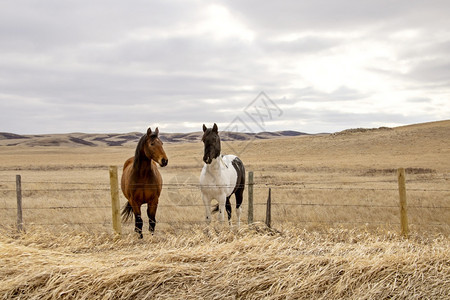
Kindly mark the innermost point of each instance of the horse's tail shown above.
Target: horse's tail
(127, 212)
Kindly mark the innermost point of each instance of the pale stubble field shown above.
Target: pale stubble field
(348, 179)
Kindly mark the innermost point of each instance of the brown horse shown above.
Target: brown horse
(141, 181)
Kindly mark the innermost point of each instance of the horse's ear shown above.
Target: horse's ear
(149, 131)
(204, 128)
(215, 129)
(156, 131)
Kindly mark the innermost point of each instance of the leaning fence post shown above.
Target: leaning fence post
(115, 203)
(250, 197)
(403, 208)
(19, 202)
(269, 209)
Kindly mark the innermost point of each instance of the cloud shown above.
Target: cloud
(300, 45)
(419, 100)
(109, 66)
(323, 15)
(435, 70)
(342, 93)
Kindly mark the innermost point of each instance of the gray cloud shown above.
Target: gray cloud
(343, 93)
(436, 70)
(339, 15)
(419, 100)
(302, 45)
(109, 66)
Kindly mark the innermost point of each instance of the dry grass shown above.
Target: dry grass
(250, 263)
(336, 220)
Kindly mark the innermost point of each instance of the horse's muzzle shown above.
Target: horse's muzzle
(207, 160)
(164, 162)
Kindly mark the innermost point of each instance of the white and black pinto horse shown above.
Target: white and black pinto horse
(221, 177)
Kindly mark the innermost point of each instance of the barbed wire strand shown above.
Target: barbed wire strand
(255, 183)
(196, 187)
(255, 204)
(109, 223)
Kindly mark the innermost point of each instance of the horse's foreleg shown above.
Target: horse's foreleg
(238, 215)
(228, 209)
(207, 204)
(151, 213)
(239, 197)
(137, 220)
(222, 200)
(138, 225)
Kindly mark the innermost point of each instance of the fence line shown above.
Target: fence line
(255, 203)
(256, 183)
(187, 187)
(196, 183)
(286, 185)
(182, 187)
(204, 222)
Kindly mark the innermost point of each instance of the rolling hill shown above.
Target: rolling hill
(335, 219)
(124, 139)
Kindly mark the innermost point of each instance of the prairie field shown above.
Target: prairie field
(335, 222)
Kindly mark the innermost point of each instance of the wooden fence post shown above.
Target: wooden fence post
(269, 209)
(250, 197)
(19, 202)
(115, 203)
(403, 208)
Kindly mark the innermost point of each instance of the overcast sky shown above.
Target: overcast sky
(121, 66)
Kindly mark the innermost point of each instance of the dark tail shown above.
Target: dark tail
(127, 212)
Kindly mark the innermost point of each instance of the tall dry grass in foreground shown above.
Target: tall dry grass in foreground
(250, 263)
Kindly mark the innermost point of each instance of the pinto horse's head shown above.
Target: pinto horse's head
(211, 141)
(153, 147)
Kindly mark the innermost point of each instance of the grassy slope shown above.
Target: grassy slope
(423, 145)
(228, 263)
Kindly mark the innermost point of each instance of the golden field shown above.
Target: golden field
(335, 222)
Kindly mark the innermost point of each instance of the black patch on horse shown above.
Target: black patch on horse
(240, 181)
(239, 188)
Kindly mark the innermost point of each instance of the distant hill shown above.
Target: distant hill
(126, 139)
(130, 139)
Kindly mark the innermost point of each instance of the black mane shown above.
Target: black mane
(139, 155)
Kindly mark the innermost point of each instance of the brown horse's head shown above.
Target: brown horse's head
(152, 147)
(211, 140)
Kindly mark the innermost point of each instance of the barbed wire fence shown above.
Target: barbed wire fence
(297, 187)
